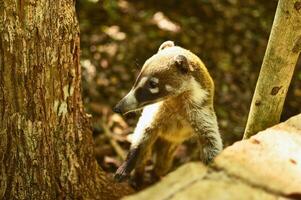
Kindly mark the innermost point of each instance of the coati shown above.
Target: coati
(176, 93)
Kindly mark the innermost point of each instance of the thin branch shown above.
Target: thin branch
(120, 152)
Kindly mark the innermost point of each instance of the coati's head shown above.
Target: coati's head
(166, 74)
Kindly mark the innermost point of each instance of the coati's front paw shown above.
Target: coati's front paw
(208, 154)
(121, 174)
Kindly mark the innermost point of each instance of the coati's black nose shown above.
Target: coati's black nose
(117, 109)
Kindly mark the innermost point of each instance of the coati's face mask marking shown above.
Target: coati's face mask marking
(162, 76)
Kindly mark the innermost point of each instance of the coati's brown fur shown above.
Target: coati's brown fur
(176, 93)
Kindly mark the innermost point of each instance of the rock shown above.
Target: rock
(194, 181)
(271, 159)
(217, 185)
(173, 183)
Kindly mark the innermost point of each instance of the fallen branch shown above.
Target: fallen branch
(120, 152)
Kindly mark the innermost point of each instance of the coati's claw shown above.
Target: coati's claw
(120, 174)
(119, 177)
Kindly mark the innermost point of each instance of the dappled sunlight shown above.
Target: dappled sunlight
(164, 23)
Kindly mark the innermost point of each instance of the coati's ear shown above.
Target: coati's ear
(166, 44)
(182, 64)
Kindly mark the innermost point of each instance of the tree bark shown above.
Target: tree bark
(46, 147)
(277, 69)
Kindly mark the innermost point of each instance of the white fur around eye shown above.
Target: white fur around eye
(168, 88)
(142, 82)
(154, 90)
(156, 80)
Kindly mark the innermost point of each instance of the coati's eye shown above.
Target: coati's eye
(153, 83)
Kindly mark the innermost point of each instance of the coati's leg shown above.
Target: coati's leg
(140, 168)
(141, 145)
(164, 156)
(204, 123)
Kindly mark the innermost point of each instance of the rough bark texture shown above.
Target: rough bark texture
(46, 149)
(277, 69)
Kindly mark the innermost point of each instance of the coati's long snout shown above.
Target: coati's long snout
(126, 104)
(138, 98)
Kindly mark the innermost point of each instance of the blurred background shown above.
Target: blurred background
(117, 36)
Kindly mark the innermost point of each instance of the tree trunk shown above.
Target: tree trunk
(277, 69)
(46, 147)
